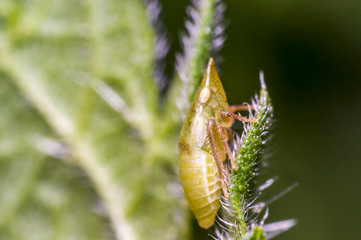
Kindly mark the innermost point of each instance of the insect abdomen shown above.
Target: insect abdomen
(201, 185)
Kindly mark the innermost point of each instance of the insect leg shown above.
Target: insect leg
(217, 156)
(236, 108)
(235, 116)
(224, 141)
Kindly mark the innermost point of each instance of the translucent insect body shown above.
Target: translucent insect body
(203, 147)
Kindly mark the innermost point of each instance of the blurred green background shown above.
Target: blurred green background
(310, 52)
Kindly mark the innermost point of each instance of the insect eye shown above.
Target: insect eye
(204, 95)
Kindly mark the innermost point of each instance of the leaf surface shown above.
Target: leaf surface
(80, 73)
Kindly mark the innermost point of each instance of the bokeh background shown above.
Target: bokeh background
(310, 52)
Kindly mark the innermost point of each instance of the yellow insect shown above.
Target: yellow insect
(203, 147)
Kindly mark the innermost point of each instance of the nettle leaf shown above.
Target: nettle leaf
(85, 69)
(40, 196)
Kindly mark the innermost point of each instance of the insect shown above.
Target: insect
(203, 147)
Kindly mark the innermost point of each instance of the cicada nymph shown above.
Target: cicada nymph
(203, 147)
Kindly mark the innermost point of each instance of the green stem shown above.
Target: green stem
(193, 62)
(242, 187)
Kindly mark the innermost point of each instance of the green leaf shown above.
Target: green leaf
(40, 197)
(257, 234)
(61, 56)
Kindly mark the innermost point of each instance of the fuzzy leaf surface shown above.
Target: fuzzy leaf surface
(59, 58)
